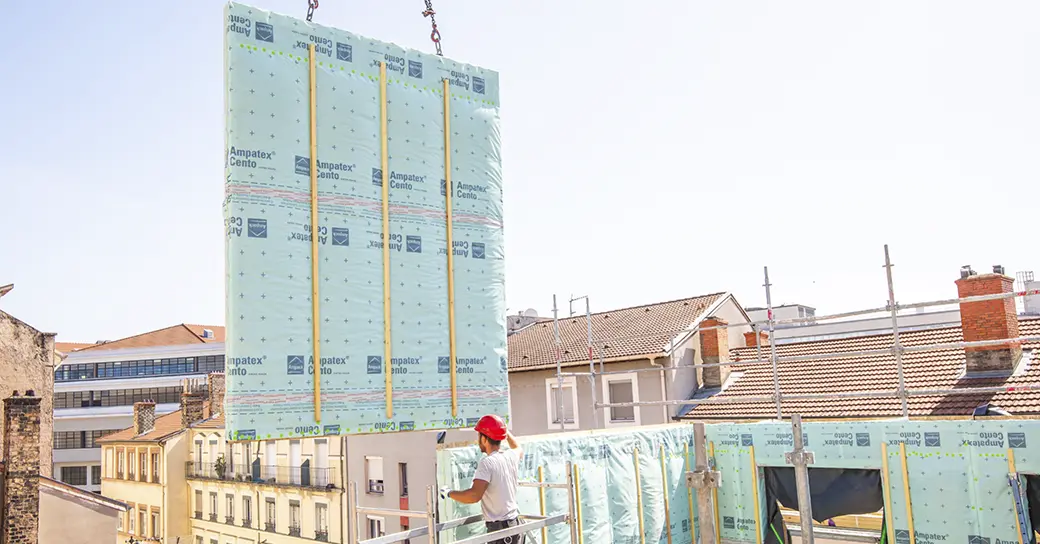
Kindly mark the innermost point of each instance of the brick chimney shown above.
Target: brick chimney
(144, 417)
(21, 450)
(989, 320)
(749, 339)
(215, 382)
(714, 349)
(192, 405)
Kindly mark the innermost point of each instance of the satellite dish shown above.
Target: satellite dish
(530, 312)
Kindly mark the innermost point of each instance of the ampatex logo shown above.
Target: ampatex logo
(932, 440)
(746, 440)
(246, 361)
(910, 438)
(330, 429)
(443, 365)
(413, 244)
(464, 365)
(415, 69)
(248, 158)
(978, 539)
(399, 365)
(340, 236)
(239, 25)
(903, 537)
(394, 63)
(472, 421)
(322, 46)
(375, 364)
(377, 177)
(984, 440)
(295, 364)
(685, 525)
(246, 434)
(1016, 440)
(264, 32)
(326, 170)
(728, 522)
(459, 79)
(469, 191)
(863, 439)
(477, 250)
(256, 228)
(405, 425)
(444, 187)
(344, 52)
(478, 85)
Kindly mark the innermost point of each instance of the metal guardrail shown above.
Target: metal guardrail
(317, 478)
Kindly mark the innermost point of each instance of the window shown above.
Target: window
(143, 473)
(402, 471)
(110, 457)
(199, 540)
(294, 518)
(321, 522)
(95, 474)
(376, 527)
(74, 475)
(198, 504)
(374, 474)
(130, 470)
(570, 403)
(247, 511)
(272, 515)
(155, 468)
(213, 506)
(229, 509)
(142, 526)
(74, 440)
(295, 462)
(132, 526)
(147, 367)
(121, 465)
(155, 524)
(621, 388)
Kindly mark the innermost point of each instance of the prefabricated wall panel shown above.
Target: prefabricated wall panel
(958, 477)
(267, 207)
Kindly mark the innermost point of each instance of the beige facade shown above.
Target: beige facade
(27, 362)
(95, 517)
(276, 491)
(148, 476)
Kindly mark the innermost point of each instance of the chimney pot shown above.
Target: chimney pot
(30, 393)
(998, 269)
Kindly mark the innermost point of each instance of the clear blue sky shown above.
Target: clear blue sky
(652, 150)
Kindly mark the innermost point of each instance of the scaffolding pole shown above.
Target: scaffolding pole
(559, 369)
(772, 347)
(801, 459)
(592, 363)
(897, 347)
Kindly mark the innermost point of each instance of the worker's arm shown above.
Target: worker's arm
(511, 440)
(471, 495)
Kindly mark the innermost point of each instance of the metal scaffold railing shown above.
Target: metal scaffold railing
(774, 359)
(528, 523)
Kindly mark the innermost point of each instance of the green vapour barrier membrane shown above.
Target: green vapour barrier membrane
(958, 475)
(270, 367)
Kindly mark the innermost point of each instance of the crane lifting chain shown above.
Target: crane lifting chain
(311, 6)
(435, 35)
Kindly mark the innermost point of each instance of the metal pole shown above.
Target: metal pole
(772, 346)
(559, 364)
(431, 513)
(897, 347)
(592, 365)
(801, 460)
(705, 506)
(571, 518)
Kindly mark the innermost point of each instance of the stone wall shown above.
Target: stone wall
(27, 363)
(21, 455)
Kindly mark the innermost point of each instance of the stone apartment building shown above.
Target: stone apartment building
(27, 361)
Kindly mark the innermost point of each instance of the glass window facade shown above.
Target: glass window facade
(120, 397)
(74, 440)
(145, 367)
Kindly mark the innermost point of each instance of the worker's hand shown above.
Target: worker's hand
(444, 493)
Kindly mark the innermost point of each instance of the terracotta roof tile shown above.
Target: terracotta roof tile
(628, 332)
(69, 347)
(216, 422)
(170, 336)
(165, 426)
(845, 374)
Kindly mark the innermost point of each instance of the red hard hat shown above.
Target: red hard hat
(492, 427)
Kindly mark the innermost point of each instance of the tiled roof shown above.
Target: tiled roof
(628, 332)
(69, 347)
(165, 426)
(170, 336)
(921, 369)
(216, 422)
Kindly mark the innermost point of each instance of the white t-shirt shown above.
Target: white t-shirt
(499, 470)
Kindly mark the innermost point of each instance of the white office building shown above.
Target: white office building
(96, 386)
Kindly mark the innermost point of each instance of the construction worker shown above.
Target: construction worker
(495, 480)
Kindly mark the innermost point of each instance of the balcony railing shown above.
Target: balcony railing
(269, 526)
(230, 520)
(320, 478)
(294, 530)
(213, 516)
(247, 523)
(321, 536)
(198, 515)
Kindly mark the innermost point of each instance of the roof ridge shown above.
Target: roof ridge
(146, 333)
(648, 305)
